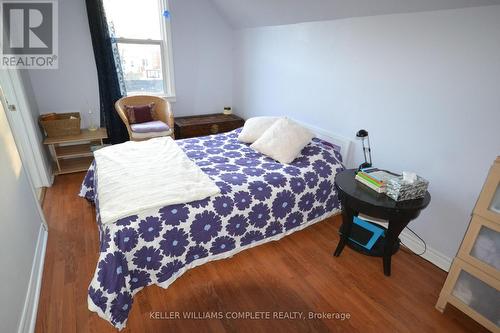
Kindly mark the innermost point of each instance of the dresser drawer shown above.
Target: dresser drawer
(188, 127)
(474, 292)
(481, 246)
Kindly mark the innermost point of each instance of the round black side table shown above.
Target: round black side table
(357, 198)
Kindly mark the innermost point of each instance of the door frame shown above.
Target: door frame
(19, 112)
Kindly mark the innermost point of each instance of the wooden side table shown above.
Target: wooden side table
(73, 153)
(357, 198)
(192, 126)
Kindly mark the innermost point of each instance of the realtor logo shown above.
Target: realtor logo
(29, 34)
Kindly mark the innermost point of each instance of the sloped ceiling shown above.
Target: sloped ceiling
(256, 13)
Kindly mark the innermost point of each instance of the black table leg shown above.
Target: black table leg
(347, 216)
(391, 237)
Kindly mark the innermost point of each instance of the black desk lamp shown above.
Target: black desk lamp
(363, 134)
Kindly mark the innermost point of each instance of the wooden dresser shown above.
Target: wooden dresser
(473, 283)
(192, 126)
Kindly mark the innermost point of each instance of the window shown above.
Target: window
(141, 33)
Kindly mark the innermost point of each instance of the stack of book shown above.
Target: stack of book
(374, 178)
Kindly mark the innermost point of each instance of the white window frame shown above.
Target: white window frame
(166, 51)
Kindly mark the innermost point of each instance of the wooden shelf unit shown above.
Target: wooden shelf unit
(73, 153)
(77, 164)
(79, 150)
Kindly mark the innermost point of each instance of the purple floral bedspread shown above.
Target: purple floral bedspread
(260, 200)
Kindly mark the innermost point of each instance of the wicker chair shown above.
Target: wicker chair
(162, 109)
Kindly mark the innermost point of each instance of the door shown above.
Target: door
(22, 115)
(22, 227)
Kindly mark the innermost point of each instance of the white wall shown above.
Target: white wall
(202, 51)
(68, 88)
(258, 13)
(425, 85)
(20, 224)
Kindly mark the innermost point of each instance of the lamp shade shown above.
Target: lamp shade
(362, 133)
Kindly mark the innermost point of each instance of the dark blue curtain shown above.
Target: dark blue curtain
(109, 83)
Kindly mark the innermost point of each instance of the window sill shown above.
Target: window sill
(171, 99)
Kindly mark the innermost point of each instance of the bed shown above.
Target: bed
(260, 200)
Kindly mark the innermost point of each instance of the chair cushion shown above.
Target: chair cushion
(144, 136)
(150, 126)
(138, 114)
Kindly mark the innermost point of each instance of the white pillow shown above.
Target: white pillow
(255, 127)
(283, 141)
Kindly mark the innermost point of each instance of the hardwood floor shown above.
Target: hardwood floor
(297, 273)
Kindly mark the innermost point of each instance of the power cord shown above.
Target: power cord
(420, 238)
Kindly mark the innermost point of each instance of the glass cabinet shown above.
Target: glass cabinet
(473, 282)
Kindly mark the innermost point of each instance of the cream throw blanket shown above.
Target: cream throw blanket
(137, 176)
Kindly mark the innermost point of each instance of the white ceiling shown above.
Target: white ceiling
(256, 13)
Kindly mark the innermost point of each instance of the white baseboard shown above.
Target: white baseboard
(432, 255)
(28, 317)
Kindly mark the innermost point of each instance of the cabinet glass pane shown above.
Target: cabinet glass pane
(479, 296)
(487, 247)
(495, 203)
